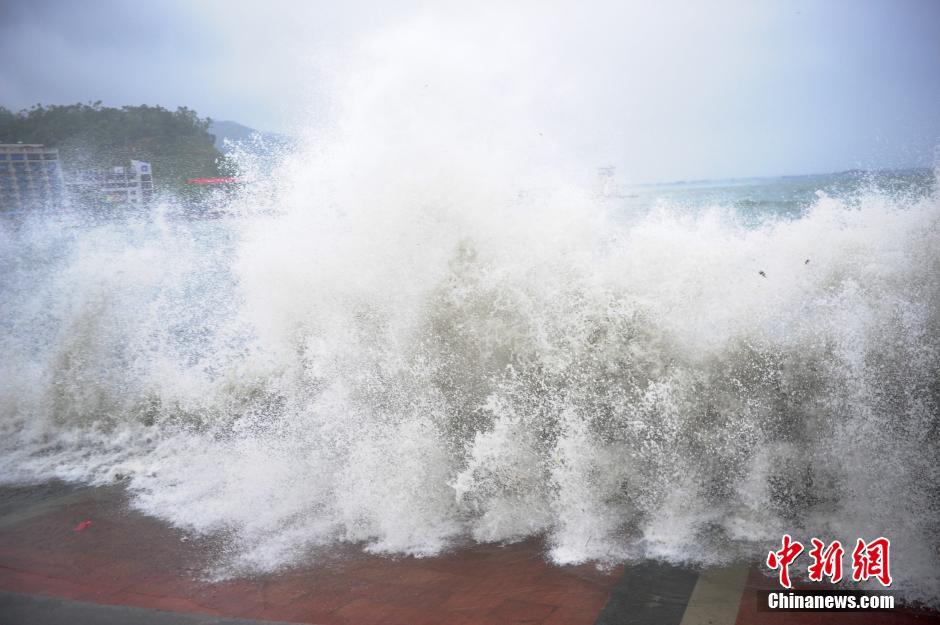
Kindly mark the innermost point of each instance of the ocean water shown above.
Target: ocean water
(790, 197)
(619, 379)
(413, 335)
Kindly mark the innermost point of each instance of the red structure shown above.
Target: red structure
(212, 180)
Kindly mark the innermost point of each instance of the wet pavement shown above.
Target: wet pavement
(125, 567)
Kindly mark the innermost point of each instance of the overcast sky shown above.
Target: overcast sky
(677, 91)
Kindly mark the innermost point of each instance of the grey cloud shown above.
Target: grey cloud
(667, 90)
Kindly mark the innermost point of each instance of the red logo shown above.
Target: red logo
(783, 558)
(826, 562)
(871, 560)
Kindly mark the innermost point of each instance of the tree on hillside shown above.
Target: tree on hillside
(91, 136)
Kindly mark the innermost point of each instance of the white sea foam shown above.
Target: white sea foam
(426, 331)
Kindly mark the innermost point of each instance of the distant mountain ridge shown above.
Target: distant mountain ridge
(240, 134)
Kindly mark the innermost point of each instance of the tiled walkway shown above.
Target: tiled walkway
(124, 558)
(50, 571)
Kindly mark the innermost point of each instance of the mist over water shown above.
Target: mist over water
(427, 329)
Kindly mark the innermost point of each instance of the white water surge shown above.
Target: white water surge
(425, 331)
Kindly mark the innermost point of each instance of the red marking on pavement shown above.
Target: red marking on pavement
(138, 561)
(141, 562)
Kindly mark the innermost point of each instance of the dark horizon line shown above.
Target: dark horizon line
(854, 170)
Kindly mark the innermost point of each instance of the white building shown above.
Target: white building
(127, 185)
(117, 186)
(30, 177)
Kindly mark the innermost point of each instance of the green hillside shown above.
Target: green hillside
(176, 143)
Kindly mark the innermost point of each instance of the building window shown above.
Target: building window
(34, 157)
(17, 157)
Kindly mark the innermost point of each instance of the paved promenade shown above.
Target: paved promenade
(124, 567)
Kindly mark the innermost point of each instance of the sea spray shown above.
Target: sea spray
(425, 330)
